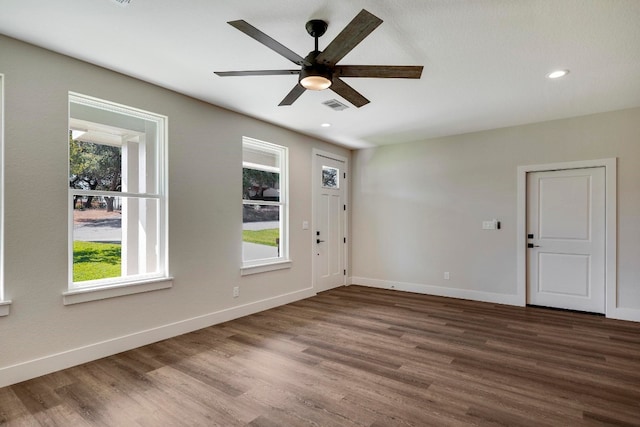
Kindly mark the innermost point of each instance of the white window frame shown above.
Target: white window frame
(4, 303)
(282, 152)
(124, 285)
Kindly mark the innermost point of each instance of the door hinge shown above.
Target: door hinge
(344, 207)
(344, 175)
(345, 240)
(344, 272)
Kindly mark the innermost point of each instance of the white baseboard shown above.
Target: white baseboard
(56, 362)
(509, 299)
(620, 313)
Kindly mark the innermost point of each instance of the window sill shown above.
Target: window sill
(263, 268)
(80, 295)
(4, 308)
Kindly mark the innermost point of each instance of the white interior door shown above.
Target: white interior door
(566, 239)
(329, 236)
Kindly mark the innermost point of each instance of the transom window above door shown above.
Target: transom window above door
(330, 177)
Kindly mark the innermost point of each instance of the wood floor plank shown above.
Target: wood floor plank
(12, 411)
(357, 356)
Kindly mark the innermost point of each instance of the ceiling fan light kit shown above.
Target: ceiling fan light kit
(315, 76)
(314, 82)
(319, 70)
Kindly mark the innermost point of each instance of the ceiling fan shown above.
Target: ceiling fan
(319, 69)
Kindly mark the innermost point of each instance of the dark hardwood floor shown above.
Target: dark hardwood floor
(357, 356)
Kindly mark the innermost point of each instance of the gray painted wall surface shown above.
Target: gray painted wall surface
(419, 207)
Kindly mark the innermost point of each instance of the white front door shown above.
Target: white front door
(566, 239)
(329, 235)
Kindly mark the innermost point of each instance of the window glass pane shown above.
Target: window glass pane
(260, 185)
(141, 238)
(330, 177)
(260, 156)
(97, 238)
(114, 237)
(94, 166)
(109, 150)
(260, 231)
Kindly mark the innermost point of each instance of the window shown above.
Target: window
(330, 178)
(264, 205)
(4, 304)
(117, 195)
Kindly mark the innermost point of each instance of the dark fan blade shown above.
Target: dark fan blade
(258, 35)
(293, 95)
(359, 28)
(379, 71)
(256, 73)
(347, 92)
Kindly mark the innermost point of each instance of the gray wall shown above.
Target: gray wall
(205, 220)
(419, 207)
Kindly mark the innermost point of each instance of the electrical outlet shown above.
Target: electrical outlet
(446, 275)
(236, 291)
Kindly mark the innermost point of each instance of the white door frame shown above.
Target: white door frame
(610, 165)
(314, 222)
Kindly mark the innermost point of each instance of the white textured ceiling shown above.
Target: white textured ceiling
(484, 60)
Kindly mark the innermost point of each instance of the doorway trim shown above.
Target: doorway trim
(314, 220)
(611, 288)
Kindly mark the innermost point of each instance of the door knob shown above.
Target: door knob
(319, 241)
(531, 245)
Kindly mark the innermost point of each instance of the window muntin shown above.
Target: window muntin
(264, 203)
(117, 194)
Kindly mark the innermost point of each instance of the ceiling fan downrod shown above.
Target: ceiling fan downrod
(316, 29)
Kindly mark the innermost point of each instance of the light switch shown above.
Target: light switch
(305, 225)
(490, 225)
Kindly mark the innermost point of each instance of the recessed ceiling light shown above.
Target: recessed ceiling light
(557, 74)
(326, 125)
